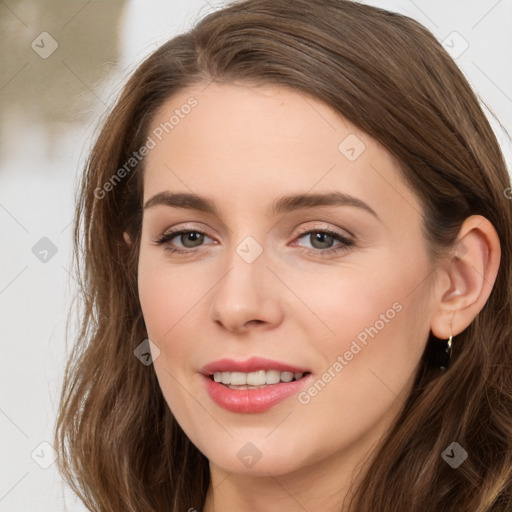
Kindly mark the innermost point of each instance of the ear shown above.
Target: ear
(469, 277)
(127, 238)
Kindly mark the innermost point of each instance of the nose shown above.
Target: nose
(248, 296)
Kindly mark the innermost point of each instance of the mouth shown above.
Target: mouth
(254, 385)
(255, 380)
(255, 372)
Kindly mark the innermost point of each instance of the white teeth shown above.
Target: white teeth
(287, 376)
(273, 377)
(258, 378)
(238, 379)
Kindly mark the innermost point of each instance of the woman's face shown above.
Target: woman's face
(337, 289)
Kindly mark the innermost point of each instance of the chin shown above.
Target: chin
(262, 468)
(259, 458)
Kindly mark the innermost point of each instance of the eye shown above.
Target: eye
(321, 241)
(190, 239)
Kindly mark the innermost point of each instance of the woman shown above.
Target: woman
(297, 276)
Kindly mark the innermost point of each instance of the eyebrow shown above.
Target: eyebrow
(283, 204)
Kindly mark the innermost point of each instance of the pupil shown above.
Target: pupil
(318, 238)
(192, 237)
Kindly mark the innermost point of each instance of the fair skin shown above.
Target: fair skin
(243, 147)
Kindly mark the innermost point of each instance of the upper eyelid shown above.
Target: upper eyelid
(316, 225)
(326, 228)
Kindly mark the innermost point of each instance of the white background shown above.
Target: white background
(37, 185)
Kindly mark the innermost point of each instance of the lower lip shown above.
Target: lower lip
(252, 400)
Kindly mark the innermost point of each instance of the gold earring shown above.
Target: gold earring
(448, 352)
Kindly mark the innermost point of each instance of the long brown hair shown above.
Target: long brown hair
(119, 446)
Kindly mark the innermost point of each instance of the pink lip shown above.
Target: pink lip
(251, 400)
(250, 365)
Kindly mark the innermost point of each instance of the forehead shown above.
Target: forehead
(259, 142)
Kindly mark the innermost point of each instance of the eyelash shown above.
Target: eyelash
(345, 245)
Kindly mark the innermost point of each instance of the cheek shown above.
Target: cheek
(168, 300)
(376, 325)
(173, 298)
(167, 294)
(347, 303)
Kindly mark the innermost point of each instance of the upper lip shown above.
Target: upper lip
(249, 365)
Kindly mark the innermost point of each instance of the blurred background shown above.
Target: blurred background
(62, 64)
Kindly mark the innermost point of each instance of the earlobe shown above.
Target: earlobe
(127, 239)
(472, 273)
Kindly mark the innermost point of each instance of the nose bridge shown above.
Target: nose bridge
(247, 292)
